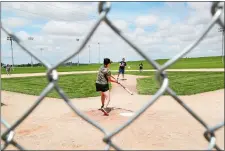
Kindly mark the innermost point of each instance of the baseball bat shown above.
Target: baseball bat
(124, 87)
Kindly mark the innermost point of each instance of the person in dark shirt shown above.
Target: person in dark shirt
(122, 66)
(8, 69)
(140, 67)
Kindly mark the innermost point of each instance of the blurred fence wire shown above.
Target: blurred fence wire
(162, 78)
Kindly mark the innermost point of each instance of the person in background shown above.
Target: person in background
(122, 66)
(140, 67)
(8, 69)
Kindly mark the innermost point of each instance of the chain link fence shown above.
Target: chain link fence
(103, 9)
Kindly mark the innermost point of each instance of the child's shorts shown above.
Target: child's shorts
(102, 87)
(121, 71)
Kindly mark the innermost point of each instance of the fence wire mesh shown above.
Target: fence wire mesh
(103, 9)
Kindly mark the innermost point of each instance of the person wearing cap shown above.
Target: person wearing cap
(102, 82)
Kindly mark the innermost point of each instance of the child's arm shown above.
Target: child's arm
(108, 75)
(111, 80)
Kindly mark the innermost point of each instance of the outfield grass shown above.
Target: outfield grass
(186, 63)
(80, 86)
(75, 86)
(183, 83)
(17, 70)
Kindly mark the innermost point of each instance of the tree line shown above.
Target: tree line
(39, 64)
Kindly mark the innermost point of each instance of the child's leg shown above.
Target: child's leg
(102, 99)
(123, 74)
(118, 75)
(107, 98)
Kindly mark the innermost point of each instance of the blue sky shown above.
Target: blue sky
(140, 20)
(122, 10)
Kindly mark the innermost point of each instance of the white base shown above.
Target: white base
(126, 114)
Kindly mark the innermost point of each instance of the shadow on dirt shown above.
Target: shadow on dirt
(2, 104)
(110, 109)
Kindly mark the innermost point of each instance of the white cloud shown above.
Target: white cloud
(199, 5)
(200, 13)
(147, 20)
(136, 33)
(15, 22)
(184, 29)
(121, 24)
(3, 37)
(200, 19)
(139, 31)
(175, 47)
(65, 28)
(164, 23)
(67, 11)
(199, 16)
(58, 37)
(212, 40)
(175, 5)
(22, 35)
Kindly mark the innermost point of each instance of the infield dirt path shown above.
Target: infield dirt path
(82, 72)
(165, 125)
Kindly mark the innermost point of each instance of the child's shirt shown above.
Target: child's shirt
(123, 64)
(102, 77)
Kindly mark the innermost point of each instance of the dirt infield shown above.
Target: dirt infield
(82, 72)
(165, 125)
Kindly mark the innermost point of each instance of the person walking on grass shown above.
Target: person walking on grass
(122, 66)
(8, 69)
(102, 83)
(140, 67)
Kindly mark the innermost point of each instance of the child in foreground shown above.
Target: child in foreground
(102, 83)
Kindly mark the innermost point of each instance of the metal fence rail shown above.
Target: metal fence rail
(103, 9)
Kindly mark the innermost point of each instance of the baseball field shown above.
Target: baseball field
(185, 63)
(164, 125)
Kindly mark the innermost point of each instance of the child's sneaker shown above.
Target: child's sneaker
(104, 111)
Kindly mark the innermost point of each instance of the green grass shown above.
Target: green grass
(80, 86)
(183, 83)
(18, 70)
(186, 63)
(75, 86)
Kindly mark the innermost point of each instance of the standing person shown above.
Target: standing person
(8, 69)
(102, 83)
(141, 67)
(122, 66)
